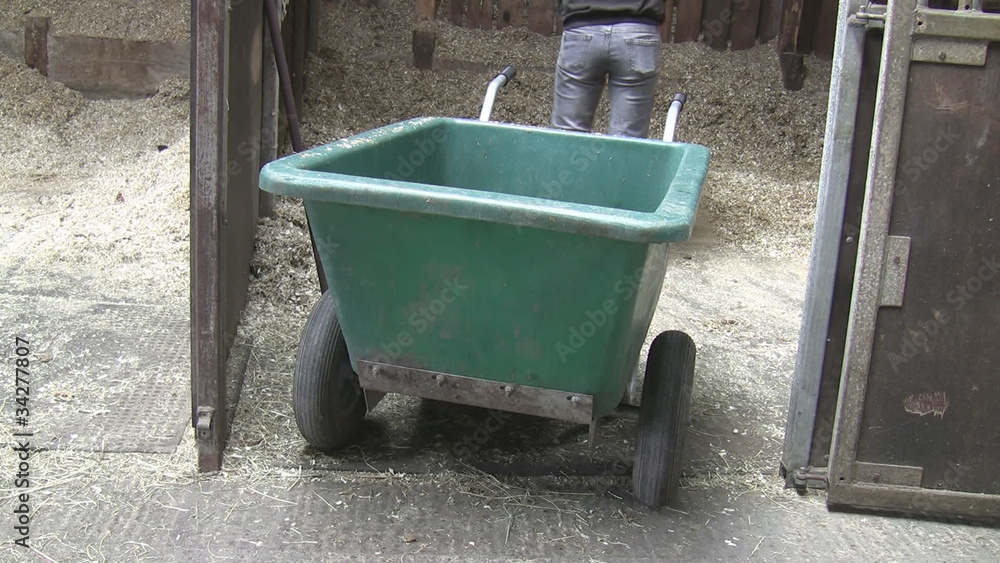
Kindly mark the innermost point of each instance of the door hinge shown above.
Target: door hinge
(203, 424)
(810, 478)
(869, 15)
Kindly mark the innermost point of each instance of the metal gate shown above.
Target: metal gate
(892, 403)
(234, 130)
(225, 122)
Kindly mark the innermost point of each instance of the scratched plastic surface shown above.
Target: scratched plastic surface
(501, 252)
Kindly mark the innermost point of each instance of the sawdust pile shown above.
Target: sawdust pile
(146, 20)
(766, 142)
(99, 186)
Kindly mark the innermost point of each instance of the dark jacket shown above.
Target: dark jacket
(589, 12)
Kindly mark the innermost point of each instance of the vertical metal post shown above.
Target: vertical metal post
(880, 183)
(269, 119)
(837, 146)
(209, 84)
(36, 44)
(315, 13)
(288, 97)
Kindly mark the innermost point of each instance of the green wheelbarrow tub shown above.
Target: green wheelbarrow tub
(497, 252)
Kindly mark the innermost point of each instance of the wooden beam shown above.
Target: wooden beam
(808, 26)
(209, 122)
(770, 20)
(423, 48)
(480, 14)
(297, 52)
(826, 29)
(36, 44)
(791, 20)
(271, 118)
(115, 66)
(688, 20)
(456, 11)
(668, 6)
(717, 15)
(743, 32)
(315, 15)
(426, 9)
(541, 15)
(510, 13)
(793, 71)
(790, 58)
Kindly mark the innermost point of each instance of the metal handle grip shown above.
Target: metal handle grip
(506, 75)
(679, 97)
(673, 112)
(509, 72)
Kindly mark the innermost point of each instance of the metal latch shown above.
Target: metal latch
(810, 478)
(204, 422)
(869, 15)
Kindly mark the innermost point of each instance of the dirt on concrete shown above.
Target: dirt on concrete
(94, 230)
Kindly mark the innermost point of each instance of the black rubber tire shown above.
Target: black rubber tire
(327, 399)
(663, 418)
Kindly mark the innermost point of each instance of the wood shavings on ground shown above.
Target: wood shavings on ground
(138, 20)
(105, 182)
(766, 142)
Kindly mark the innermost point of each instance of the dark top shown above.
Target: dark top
(602, 12)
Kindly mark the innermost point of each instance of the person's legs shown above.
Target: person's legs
(635, 71)
(580, 73)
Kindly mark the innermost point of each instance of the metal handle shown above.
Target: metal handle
(509, 71)
(506, 75)
(673, 112)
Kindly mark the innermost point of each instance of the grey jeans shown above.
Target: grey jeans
(627, 55)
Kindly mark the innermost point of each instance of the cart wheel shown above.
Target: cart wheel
(663, 416)
(328, 402)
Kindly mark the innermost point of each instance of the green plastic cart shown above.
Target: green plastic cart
(496, 265)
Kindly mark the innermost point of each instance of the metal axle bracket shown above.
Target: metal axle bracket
(561, 405)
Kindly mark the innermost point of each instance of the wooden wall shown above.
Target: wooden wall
(722, 24)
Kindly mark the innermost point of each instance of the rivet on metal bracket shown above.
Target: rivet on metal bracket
(894, 271)
(204, 422)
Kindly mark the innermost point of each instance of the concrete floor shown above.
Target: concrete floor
(408, 507)
(405, 518)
